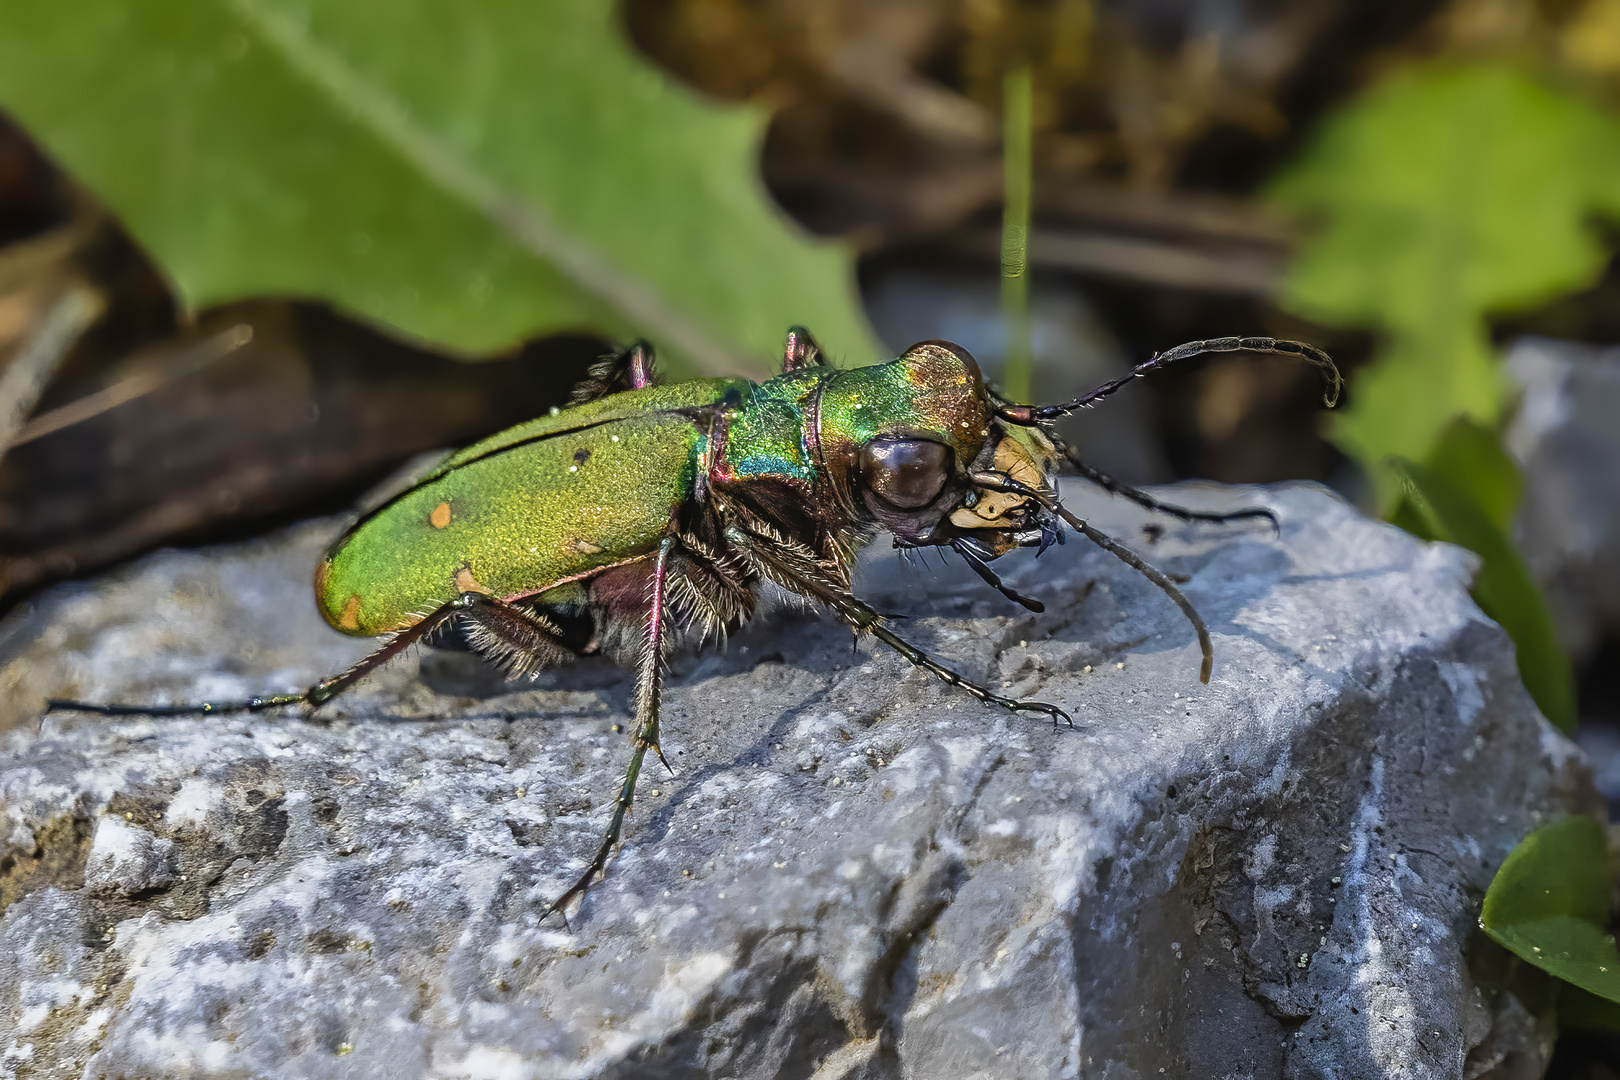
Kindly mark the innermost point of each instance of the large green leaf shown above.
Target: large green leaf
(1549, 904)
(471, 172)
(1443, 194)
(1457, 496)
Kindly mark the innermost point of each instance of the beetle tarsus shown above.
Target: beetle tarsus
(200, 708)
(495, 617)
(793, 570)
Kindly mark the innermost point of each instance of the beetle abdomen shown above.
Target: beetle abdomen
(552, 508)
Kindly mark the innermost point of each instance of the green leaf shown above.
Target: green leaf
(473, 173)
(1549, 905)
(1456, 497)
(1445, 193)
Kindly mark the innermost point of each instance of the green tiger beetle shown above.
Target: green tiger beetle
(644, 509)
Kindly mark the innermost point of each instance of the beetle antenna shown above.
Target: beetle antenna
(1030, 415)
(1003, 482)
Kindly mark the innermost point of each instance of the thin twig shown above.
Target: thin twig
(139, 384)
(31, 368)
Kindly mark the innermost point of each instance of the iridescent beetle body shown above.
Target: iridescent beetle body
(643, 508)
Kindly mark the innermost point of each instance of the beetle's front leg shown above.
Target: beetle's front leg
(792, 569)
(864, 617)
(1002, 482)
(649, 694)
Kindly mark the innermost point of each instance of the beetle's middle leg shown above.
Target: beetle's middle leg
(649, 695)
(794, 567)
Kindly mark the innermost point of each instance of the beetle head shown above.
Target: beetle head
(995, 522)
(904, 438)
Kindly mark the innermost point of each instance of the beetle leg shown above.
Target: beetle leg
(1142, 498)
(789, 567)
(316, 695)
(630, 368)
(514, 639)
(711, 587)
(719, 423)
(649, 692)
(800, 351)
(860, 611)
(982, 568)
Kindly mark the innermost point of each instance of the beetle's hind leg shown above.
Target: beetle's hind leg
(649, 696)
(316, 695)
(1143, 499)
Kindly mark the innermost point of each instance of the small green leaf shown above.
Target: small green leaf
(1549, 905)
(1443, 496)
(1444, 194)
(473, 173)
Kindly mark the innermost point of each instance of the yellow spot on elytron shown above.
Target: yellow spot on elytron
(465, 582)
(350, 618)
(440, 516)
(576, 546)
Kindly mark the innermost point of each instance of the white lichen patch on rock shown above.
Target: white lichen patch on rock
(126, 860)
(854, 869)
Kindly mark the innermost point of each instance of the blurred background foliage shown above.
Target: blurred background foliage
(255, 253)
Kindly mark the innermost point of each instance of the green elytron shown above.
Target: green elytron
(643, 508)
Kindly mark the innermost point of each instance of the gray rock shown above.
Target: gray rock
(1566, 440)
(854, 872)
(126, 859)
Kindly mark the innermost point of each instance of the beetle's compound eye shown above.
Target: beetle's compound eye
(907, 473)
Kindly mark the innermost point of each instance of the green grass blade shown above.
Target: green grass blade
(1017, 140)
(1503, 589)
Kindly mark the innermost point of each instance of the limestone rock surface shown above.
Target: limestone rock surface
(855, 872)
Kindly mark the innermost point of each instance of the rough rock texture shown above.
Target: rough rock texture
(855, 872)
